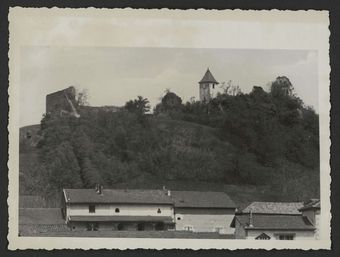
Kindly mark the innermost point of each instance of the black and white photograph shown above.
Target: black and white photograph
(155, 133)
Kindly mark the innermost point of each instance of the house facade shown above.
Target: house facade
(107, 209)
(273, 221)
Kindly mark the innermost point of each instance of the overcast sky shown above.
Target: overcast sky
(115, 75)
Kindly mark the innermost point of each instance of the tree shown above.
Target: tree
(281, 87)
(62, 168)
(139, 106)
(231, 88)
(82, 97)
(170, 103)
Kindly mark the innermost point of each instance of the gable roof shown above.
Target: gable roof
(263, 236)
(117, 196)
(197, 199)
(291, 208)
(311, 204)
(208, 78)
(184, 199)
(274, 222)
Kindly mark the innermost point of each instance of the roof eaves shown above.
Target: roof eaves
(273, 228)
(120, 202)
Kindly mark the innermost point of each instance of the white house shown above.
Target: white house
(203, 211)
(110, 209)
(273, 221)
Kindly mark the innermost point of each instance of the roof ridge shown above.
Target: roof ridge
(275, 202)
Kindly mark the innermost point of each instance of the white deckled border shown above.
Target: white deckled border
(167, 28)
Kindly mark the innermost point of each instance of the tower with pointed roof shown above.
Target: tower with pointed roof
(208, 81)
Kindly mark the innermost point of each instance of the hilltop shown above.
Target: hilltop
(256, 146)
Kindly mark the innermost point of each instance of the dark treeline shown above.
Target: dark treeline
(260, 138)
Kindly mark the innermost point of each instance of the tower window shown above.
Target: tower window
(117, 210)
(159, 210)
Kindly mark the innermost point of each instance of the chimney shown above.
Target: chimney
(251, 219)
(164, 188)
(168, 192)
(100, 191)
(96, 188)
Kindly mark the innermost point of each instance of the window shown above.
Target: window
(178, 218)
(188, 228)
(117, 210)
(141, 226)
(120, 226)
(159, 210)
(218, 229)
(160, 226)
(92, 227)
(263, 236)
(286, 236)
(92, 208)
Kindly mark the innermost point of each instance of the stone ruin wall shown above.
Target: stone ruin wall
(58, 102)
(64, 102)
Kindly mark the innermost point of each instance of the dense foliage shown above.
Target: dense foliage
(260, 138)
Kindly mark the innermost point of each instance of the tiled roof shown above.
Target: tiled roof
(208, 78)
(119, 218)
(196, 199)
(117, 196)
(311, 204)
(193, 199)
(40, 216)
(275, 222)
(274, 208)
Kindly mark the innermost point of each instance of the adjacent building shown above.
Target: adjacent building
(203, 211)
(311, 211)
(273, 221)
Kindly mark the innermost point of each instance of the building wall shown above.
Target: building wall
(317, 224)
(205, 220)
(240, 232)
(204, 92)
(310, 214)
(124, 210)
(302, 235)
(87, 110)
(314, 216)
(57, 102)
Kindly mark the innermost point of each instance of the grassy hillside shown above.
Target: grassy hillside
(187, 156)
